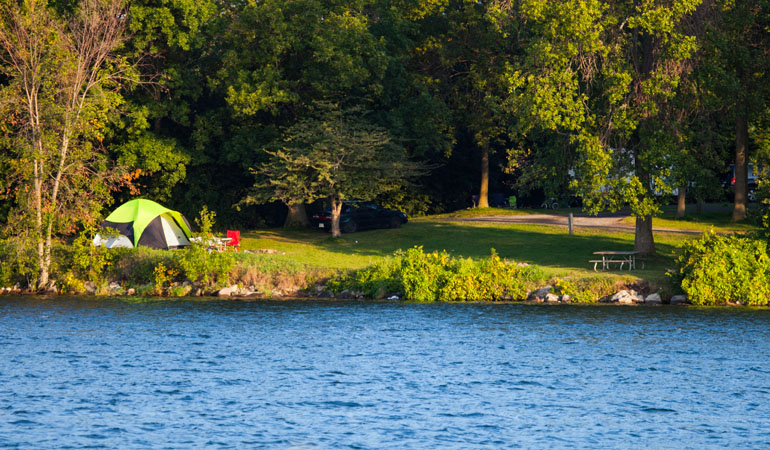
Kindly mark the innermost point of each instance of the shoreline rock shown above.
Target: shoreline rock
(653, 299)
(680, 300)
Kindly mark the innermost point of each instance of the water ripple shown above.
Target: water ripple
(305, 375)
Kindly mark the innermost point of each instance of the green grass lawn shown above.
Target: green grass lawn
(719, 221)
(483, 212)
(547, 246)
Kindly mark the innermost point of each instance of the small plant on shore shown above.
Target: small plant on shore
(207, 268)
(718, 269)
(206, 220)
(85, 262)
(163, 278)
(585, 290)
(437, 276)
(89, 262)
(376, 281)
(201, 265)
(19, 265)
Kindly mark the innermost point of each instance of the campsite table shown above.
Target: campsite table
(616, 257)
(213, 243)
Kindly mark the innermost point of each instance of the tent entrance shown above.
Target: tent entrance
(175, 237)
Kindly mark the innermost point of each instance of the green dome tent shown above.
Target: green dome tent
(144, 222)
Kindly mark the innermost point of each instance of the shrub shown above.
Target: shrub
(137, 265)
(163, 277)
(19, 264)
(267, 273)
(437, 276)
(725, 269)
(376, 281)
(586, 290)
(207, 268)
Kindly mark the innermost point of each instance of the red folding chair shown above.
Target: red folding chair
(235, 239)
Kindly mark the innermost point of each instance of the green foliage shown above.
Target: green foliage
(163, 277)
(137, 266)
(377, 281)
(602, 76)
(19, 264)
(198, 262)
(62, 86)
(334, 153)
(83, 262)
(207, 268)
(159, 164)
(436, 276)
(206, 221)
(268, 274)
(585, 290)
(719, 269)
(89, 261)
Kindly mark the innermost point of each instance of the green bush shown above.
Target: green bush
(207, 268)
(585, 290)
(725, 269)
(376, 281)
(19, 264)
(136, 266)
(437, 276)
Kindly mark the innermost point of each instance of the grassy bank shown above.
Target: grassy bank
(275, 262)
(549, 247)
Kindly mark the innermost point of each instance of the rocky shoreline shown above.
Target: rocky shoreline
(545, 294)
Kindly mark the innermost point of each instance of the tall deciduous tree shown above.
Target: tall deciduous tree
(283, 56)
(598, 73)
(465, 58)
(334, 154)
(735, 64)
(64, 81)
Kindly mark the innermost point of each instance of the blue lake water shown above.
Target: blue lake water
(296, 374)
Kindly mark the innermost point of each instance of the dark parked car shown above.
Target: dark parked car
(751, 188)
(360, 216)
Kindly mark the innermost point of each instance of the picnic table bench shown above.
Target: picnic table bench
(620, 258)
(212, 242)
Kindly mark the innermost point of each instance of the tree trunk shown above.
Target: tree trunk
(38, 181)
(643, 240)
(484, 191)
(699, 209)
(336, 210)
(741, 167)
(297, 216)
(45, 265)
(681, 203)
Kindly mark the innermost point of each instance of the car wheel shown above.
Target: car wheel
(349, 227)
(752, 195)
(395, 222)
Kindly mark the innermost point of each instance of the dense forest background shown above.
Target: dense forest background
(610, 102)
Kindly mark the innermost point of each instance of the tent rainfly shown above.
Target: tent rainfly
(144, 222)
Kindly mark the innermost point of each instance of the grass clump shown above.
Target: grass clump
(586, 290)
(269, 274)
(436, 276)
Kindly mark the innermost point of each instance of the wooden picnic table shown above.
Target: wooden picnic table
(610, 257)
(213, 242)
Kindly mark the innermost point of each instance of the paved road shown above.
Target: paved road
(611, 222)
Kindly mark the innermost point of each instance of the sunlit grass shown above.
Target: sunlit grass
(479, 212)
(719, 221)
(547, 246)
